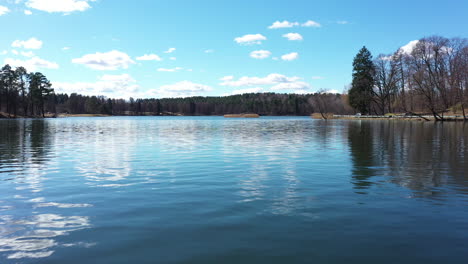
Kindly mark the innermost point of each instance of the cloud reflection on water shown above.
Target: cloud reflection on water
(27, 230)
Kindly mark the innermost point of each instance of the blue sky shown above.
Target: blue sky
(98, 47)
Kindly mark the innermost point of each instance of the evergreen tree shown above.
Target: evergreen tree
(40, 89)
(360, 95)
(22, 79)
(8, 84)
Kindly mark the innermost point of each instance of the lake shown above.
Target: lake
(215, 190)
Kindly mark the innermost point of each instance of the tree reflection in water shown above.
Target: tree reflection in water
(27, 230)
(421, 156)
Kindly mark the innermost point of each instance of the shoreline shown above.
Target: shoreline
(449, 118)
(424, 118)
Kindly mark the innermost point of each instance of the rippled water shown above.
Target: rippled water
(215, 190)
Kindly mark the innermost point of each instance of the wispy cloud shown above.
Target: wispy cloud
(290, 56)
(176, 69)
(246, 91)
(111, 60)
(311, 23)
(283, 24)
(275, 80)
(180, 89)
(293, 36)
(250, 39)
(288, 24)
(115, 86)
(31, 43)
(260, 54)
(149, 57)
(32, 64)
(4, 10)
(170, 50)
(59, 6)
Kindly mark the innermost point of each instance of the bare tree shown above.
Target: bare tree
(386, 79)
(320, 103)
(457, 77)
(429, 65)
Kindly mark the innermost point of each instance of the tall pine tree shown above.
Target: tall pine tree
(360, 95)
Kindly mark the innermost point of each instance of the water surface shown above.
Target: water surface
(215, 190)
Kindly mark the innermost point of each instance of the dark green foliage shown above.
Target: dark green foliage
(261, 103)
(360, 94)
(27, 93)
(33, 95)
(40, 89)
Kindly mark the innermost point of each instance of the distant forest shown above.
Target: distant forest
(427, 77)
(31, 95)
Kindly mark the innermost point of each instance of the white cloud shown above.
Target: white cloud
(333, 91)
(4, 10)
(408, 48)
(287, 24)
(15, 52)
(4, 52)
(176, 69)
(149, 57)
(115, 86)
(270, 79)
(59, 6)
(180, 89)
(311, 23)
(248, 90)
(66, 48)
(290, 56)
(173, 58)
(170, 50)
(302, 92)
(32, 64)
(293, 36)
(291, 86)
(275, 81)
(209, 51)
(260, 54)
(27, 53)
(342, 22)
(284, 24)
(31, 43)
(250, 39)
(111, 60)
(27, 12)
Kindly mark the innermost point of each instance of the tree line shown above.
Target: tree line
(260, 103)
(31, 95)
(429, 78)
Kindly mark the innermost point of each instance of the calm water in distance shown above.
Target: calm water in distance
(215, 190)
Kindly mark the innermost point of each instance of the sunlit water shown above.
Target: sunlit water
(215, 190)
